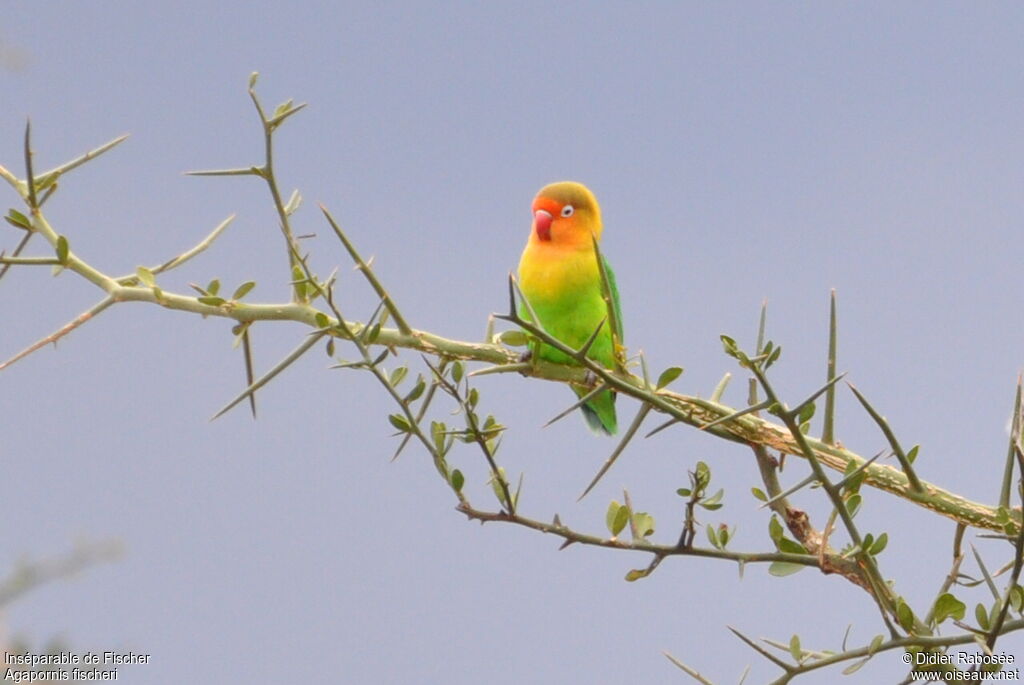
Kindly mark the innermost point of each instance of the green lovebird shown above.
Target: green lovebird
(560, 278)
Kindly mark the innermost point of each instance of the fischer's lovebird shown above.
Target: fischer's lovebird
(561, 280)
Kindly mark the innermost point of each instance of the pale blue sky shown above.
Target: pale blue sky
(740, 151)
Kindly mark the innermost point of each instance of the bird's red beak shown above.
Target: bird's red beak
(542, 224)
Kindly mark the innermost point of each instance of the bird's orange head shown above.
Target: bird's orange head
(565, 214)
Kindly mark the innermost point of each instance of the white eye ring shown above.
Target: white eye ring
(567, 210)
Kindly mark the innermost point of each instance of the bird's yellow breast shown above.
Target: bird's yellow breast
(549, 273)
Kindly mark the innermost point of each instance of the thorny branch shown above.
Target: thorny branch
(375, 342)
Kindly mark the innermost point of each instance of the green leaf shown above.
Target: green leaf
(644, 523)
(243, 290)
(62, 250)
(791, 546)
(214, 287)
(474, 397)
(17, 219)
(282, 108)
(855, 666)
(496, 481)
(876, 642)
(947, 606)
(806, 413)
(759, 494)
(637, 574)
(713, 536)
(609, 517)
(683, 492)
(730, 346)
(616, 518)
(794, 648)
(322, 321)
(145, 276)
(293, 203)
(457, 371)
(438, 434)
(299, 279)
(621, 519)
(399, 422)
(513, 338)
(905, 615)
(780, 569)
(879, 545)
(702, 476)
(853, 485)
(416, 391)
(212, 301)
(457, 480)
(1016, 598)
(372, 334)
(773, 357)
(491, 427)
(330, 347)
(981, 616)
(775, 531)
(398, 375)
(853, 504)
(912, 454)
(713, 502)
(668, 375)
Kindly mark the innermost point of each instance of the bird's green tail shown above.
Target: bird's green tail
(599, 412)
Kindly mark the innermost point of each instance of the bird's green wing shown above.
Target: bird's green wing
(616, 306)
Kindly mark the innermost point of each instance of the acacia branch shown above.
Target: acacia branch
(693, 411)
(636, 545)
(313, 305)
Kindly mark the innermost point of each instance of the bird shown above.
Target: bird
(560, 278)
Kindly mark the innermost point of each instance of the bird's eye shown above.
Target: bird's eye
(567, 210)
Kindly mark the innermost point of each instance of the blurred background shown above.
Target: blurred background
(740, 152)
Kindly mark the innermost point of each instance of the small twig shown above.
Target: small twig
(29, 261)
(249, 377)
(689, 671)
(424, 406)
(30, 575)
(601, 387)
(1011, 451)
(8, 261)
(828, 427)
(185, 256)
(642, 545)
(633, 428)
(48, 178)
(762, 651)
(30, 179)
(478, 436)
(60, 332)
(905, 464)
(292, 356)
(371, 278)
